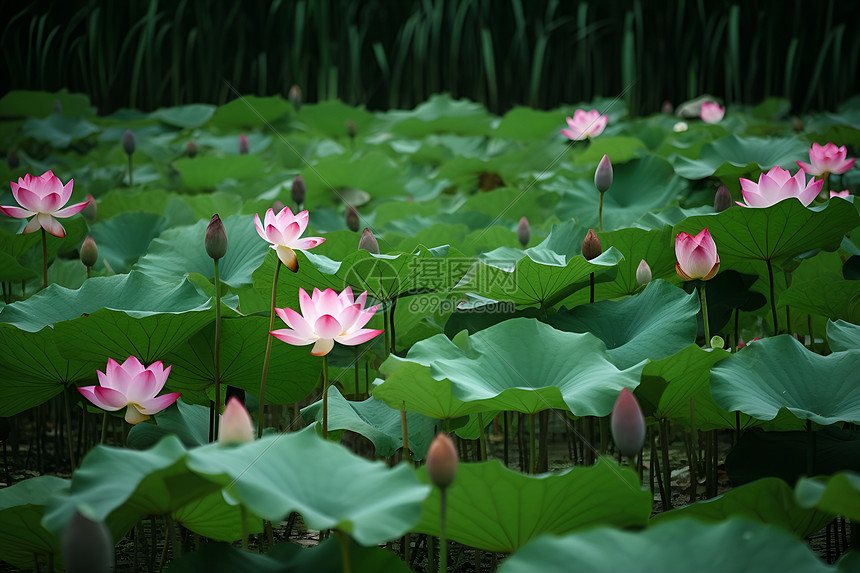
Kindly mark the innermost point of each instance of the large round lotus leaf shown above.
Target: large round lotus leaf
(411, 384)
(827, 296)
(123, 239)
(733, 156)
(301, 472)
(497, 509)
(777, 232)
(249, 111)
(527, 123)
(329, 118)
(496, 369)
(441, 114)
(374, 173)
(769, 501)
(207, 171)
(838, 494)
(193, 115)
(374, 420)
(327, 556)
(22, 507)
(843, 335)
(780, 372)
(26, 103)
(57, 130)
(657, 323)
(678, 546)
(188, 422)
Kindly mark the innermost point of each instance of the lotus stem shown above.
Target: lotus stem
(391, 325)
(443, 540)
(667, 472)
(343, 538)
(104, 427)
(810, 450)
(68, 408)
(243, 516)
(325, 397)
(387, 327)
(168, 535)
(44, 260)
(811, 335)
(506, 430)
(591, 281)
(483, 437)
(532, 443)
(355, 366)
(705, 315)
(693, 451)
(407, 453)
(268, 353)
(600, 214)
(216, 417)
(734, 347)
(772, 297)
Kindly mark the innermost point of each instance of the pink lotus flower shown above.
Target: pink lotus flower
(585, 124)
(697, 256)
(327, 317)
(712, 112)
(843, 194)
(236, 425)
(42, 196)
(283, 231)
(628, 424)
(827, 159)
(777, 185)
(130, 384)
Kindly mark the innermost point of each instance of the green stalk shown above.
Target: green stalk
(591, 282)
(216, 417)
(772, 297)
(600, 214)
(243, 516)
(68, 409)
(344, 550)
(532, 444)
(483, 439)
(386, 326)
(44, 259)
(407, 453)
(104, 427)
(130, 180)
(443, 541)
(268, 353)
(705, 316)
(355, 366)
(325, 397)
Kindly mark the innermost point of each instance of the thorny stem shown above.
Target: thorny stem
(268, 352)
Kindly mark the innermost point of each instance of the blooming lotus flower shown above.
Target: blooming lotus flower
(843, 194)
(697, 256)
(327, 317)
(585, 124)
(42, 196)
(628, 424)
(712, 112)
(236, 425)
(130, 384)
(283, 231)
(827, 159)
(777, 185)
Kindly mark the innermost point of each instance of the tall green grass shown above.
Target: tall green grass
(153, 53)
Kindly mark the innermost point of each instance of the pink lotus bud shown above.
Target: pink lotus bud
(128, 143)
(352, 219)
(712, 112)
(295, 97)
(91, 210)
(697, 256)
(722, 199)
(826, 159)
(628, 424)
(585, 124)
(442, 461)
(236, 425)
(299, 190)
(603, 175)
(643, 273)
(368, 242)
(87, 544)
(667, 108)
(524, 232)
(350, 129)
(244, 146)
(215, 240)
(191, 149)
(591, 248)
(89, 252)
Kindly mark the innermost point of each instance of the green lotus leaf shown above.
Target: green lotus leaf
(769, 501)
(211, 516)
(779, 372)
(26, 103)
(12, 271)
(22, 507)
(374, 420)
(827, 296)
(127, 200)
(327, 556)
(495, 369)
(329, 118)
(837, 494)
(184, 116)
(32, 370)
(207, 171)
(441, 114)
(620, 149)
(178, 252)
(775, 233)
(497, 509)
(755, 548)
(733, 156)
(250, 111)
(374, 505)
(412, 384)
(293, 372)
(843, 335)
(188, 422)
(527, 123)
(58, 130)
(374, 173)
(657, 323)
(123, 239)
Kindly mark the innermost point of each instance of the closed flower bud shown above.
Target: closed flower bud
(643, 273)
(89, 252)
(91, 210)
(442, 461)
(278, 205)
(12, 160)
(128, 143)
(722, 199)
(216, 238)
(236, 425)
(368, 242)
(524, 232)
(87, 545)
(191, 149)
(351, 217)
(244, 146)
(667, 107)
(603, 175)
(295, 97)
(350, 128)
(299, 190)
(628, 424)
(591, 248)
